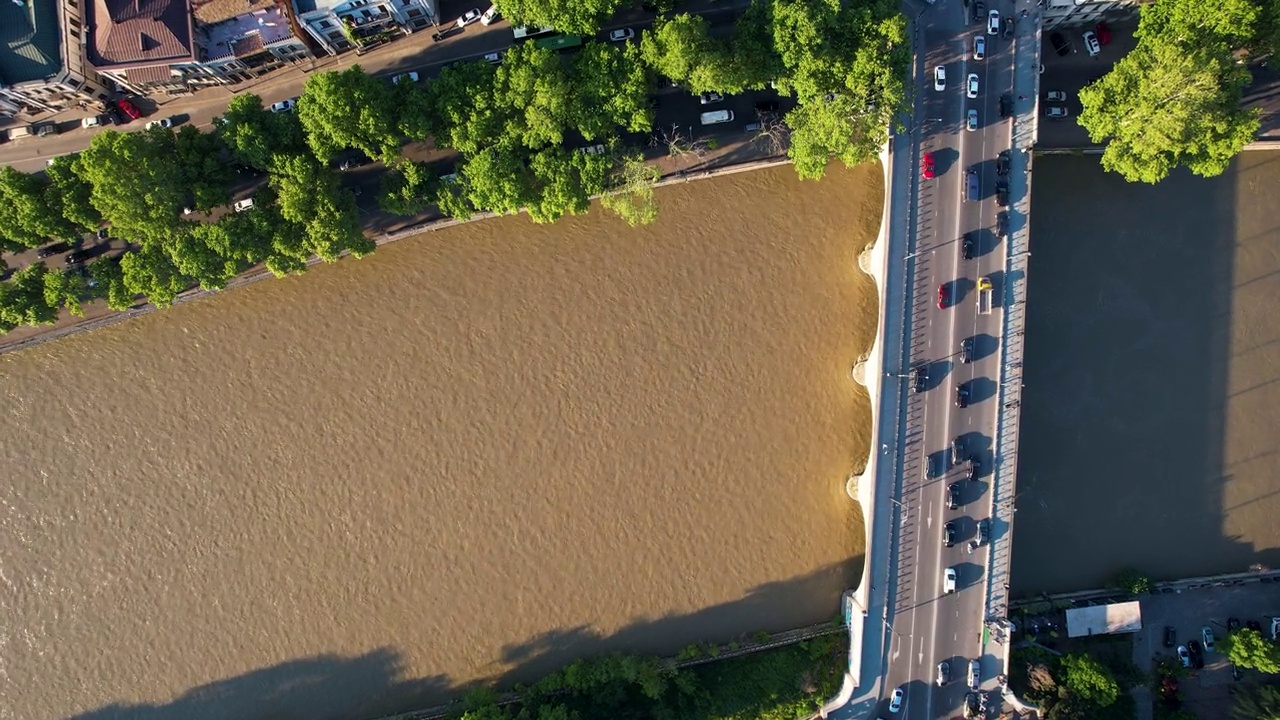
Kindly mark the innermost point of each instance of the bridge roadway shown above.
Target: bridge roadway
(902, 622)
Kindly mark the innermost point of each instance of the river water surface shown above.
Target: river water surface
(475, 455)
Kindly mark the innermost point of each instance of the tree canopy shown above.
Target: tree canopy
(1175, 100)
(583, 17)
(1089, 680)
(349, 109)
(1248, 649)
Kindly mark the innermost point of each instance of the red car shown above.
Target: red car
(944, 297)
(1104, 33)
(128, 109)
(927, 166)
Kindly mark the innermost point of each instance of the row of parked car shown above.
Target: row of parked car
(1191, 654)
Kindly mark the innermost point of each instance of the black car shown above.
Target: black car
(957, 451)
(1253, 625)
(984, 531)
(949, 534)
(919, 378)
(968, 246)
(1002, 163)
(1006, 105)
(966, 350)
(972, 705)
(953, 496)
(354, 162)
(767, 106)
(75, 257)
(1233, 624)
(1197, 654)
(102, 233)
(1060, 44)
(51, 250)
(975, 468)
(1002, 194)
(962, 396)
(979, 11)
(1170, 636)
(1002, 224)
(1008, 27)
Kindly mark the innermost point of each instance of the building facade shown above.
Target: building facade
(342, 25)
(42, 66)
(1071, 13)
(249, 44)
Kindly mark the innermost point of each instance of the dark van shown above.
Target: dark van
(971, 188)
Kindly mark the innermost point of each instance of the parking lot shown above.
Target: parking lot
(1206, 691)
(1068, 73)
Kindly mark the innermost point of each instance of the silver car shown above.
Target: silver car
(971, 88)
(971, 120)
(979, 47)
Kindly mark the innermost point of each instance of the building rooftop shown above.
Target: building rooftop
(306, 6)
(128, 33)
(246, 34)
(208, 12)
(29, 41)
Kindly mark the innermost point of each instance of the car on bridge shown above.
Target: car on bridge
(971, 120)
(1002, 162)
(975, 469)
(966, 350)
(944, 296)
(895, 704)
(967, 246)
(949, 535)
(919, 378)
(984, 531)
(953, 496)
(975, 674)
(957, 451)
(944, 673)
(962, 396)
(949, 580)
(927, 166)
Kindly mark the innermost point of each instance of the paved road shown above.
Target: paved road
(922, 625)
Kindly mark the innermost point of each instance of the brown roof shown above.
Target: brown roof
(152, 75)
(247, 45)
(212, 11)
(134, 32)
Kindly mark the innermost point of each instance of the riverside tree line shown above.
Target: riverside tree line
(844, 63)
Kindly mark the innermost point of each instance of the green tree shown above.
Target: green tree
(310, 196)
(204, 171)
(1248, 649)
(682, 49)
(69, 194)
(349, 109)
(535, 96)
(1257, 702)
(1089, 680)
(26, 218)
(611, 90)
(152, 273)
(137, 185)
(255, 134)
(583, 17)
(22, 299)
(1175, 99)
(465, 113)
(453, 198)
(498, 179)
(557, 185)
(109, 277)
(632, 196)
(755, 60)
(194, 250)
(1131, 581)
(407, 188)
(65, 289)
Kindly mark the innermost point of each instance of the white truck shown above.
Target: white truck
(985, 295)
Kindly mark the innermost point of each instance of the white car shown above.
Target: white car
(410, 76)
(895, 704)
(1206, 635)
(242, 205)
(285, 105)
(493, 58)
(592, 150)
(1091, 43)
(949, 579)
(621, 34)
(979, 47)
(1055, 96)
(1056, 112)
(469, 17)
(161, 123)
(1275, 628)
(91, 122)
(971, 120)
(972, 88)
(993, 22)
(940, 78)
(490, 15)
(707, 98)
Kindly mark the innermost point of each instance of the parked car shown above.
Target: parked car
(161, 123)
(926, 166)
(971, 120)
(44, 129)
(1057, 112)
(767, 106)
(128, 109)
(1091, 43)
(75, 257)
(1254, 625)
(1197, 654)
(405, 77)
(490, 15)
(1233, 624)
(1006, 105)
(469, 17)
(707, 98)
(1184, 656)
(1206, 634)
(592, 150)
(975, 674)
(979, 47)
(967, 247)
(352, 163)
(285, 105)
(621, 35)
(493, 58)
(1275, 628)
(242, 205)
(1002, 224)
(940, 78)
(993, 22)
(1008, 27)
(1170, 636)
(1055, 96)
(1103, 32)
(971, 87)
(1002, 162)
(93, 121)
(1002, 194)
(979, 11)
(49, 251)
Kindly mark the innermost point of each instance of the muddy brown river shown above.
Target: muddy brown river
(474, 455)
